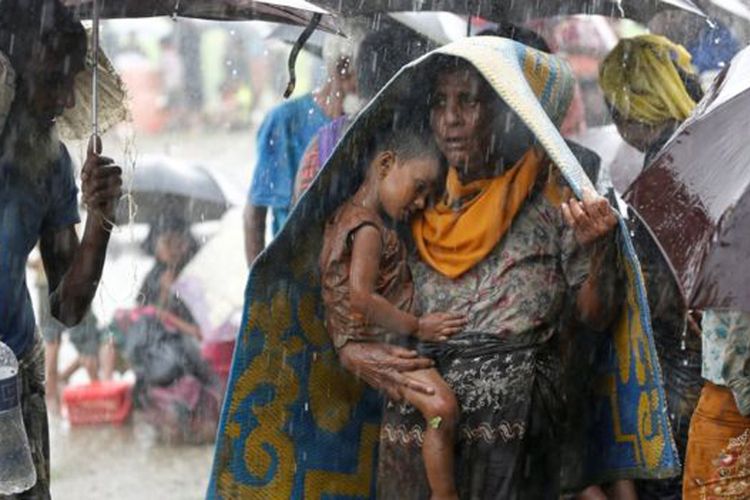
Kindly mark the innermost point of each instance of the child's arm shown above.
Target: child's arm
(363, 276)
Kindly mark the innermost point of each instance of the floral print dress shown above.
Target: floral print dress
(505, 367)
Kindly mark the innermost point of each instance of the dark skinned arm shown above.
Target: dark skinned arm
(385, 367)
(74, 269)
(363, 277)
(593, 221)
(254, 218)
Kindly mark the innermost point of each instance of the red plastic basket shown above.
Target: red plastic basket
(98, 403)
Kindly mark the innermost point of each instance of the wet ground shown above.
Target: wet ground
(125, 462)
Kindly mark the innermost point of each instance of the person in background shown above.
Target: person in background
(173, 80)
(712, 48)
(718, 450)
(282, 139)
(46, 48)
(380, 55)
(175, 387)
(650, 88)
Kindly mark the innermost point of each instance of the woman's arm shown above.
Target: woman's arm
(385, 367)
(593, 221)
(185, 327)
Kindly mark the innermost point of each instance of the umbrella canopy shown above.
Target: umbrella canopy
(695, 196)
(160, 185)
(438, 27)
(515, 11)
(214, 289)
(297, 12)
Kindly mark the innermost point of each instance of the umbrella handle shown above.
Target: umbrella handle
(298, 45)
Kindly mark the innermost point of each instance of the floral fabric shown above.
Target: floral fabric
(504, 368)
(726, 351)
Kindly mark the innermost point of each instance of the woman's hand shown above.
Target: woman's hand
(439, 326)
(590, 219)
(383, 367)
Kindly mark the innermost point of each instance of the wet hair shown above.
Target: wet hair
(168, 223)
(382, 53)
(409, 141)
(29, 28)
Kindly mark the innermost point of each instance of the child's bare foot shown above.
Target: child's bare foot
(449, 496)
(592, 493)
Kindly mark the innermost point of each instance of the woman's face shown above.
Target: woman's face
(460, 117)
(171, 247)
(476, 131)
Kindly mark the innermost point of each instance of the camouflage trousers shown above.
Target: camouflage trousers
(34, 409)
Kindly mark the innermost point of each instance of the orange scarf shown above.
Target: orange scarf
(463, 228)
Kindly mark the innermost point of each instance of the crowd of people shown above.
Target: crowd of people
(455, 271)
(373, 283)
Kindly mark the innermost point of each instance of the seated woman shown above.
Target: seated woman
(174, 386)
(499, 249)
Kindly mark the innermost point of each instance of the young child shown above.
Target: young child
(367, 286)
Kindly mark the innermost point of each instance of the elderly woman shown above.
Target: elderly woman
(651, 88)
(500, 249)
(506, 246)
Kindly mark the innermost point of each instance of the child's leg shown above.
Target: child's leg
(440, 411)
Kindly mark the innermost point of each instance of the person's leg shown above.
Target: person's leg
(51, 352)
(592, 493)
(69, 370)
(440, 412)
(34, 409)
(91, 365)
(624, 489)
(107, 360)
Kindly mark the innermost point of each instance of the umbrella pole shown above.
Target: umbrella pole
(95, 71)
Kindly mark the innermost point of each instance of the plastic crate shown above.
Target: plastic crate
(107, 402)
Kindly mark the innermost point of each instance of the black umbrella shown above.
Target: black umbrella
(695, 196)
(515, 11)
(162, 185)
(296, 12)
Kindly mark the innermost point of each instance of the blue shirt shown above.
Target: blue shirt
(282, 140)
(27, 209)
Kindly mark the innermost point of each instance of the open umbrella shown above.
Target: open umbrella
(695, 196)
(515, 11)
(161, 184)
(214, 288)
(298, 12)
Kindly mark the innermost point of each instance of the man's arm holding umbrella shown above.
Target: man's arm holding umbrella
(74, 268)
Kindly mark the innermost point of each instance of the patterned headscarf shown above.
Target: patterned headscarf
(641, 81)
